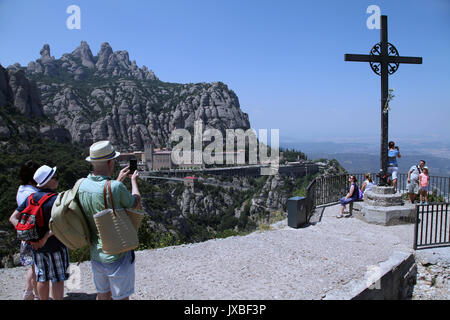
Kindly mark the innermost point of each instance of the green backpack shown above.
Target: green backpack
(68, 221)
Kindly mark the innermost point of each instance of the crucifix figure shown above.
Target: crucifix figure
(384, 60)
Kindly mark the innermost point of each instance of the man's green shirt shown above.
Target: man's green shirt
(91, 199)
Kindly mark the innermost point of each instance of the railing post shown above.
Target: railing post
(416, 228)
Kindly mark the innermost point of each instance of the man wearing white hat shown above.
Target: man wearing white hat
(51, 257)
(113, 274)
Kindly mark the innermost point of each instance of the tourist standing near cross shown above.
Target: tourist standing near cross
(384, 60)
(392, 169)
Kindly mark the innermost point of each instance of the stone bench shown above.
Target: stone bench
(350, 209)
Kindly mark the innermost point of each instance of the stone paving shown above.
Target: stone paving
(281, 263)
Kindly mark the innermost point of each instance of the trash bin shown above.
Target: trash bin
(297, 215)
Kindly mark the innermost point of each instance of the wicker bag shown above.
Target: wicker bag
(117, 227)
(135, 216)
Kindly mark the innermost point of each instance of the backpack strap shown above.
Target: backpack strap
(30, 199)
(75, 189)
(77, 185)
(40, 216)
(45, 198)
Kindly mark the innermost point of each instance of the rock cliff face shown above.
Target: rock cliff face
(81, 62)
(108, 97)
(19, 100)
(226, 201)
(15, 89)
(272, 197)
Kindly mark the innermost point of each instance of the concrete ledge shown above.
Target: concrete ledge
(357, 205)
(383, 190)
(393, 279)
(386, 215)
(384, 201)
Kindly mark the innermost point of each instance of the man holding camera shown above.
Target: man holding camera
(392, 169)
(113, 275)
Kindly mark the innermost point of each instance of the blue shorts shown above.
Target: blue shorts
(424, 188)
(346, 201)
(116, 277)
(51, 266)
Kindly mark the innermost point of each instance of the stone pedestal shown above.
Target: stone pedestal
(383, 206)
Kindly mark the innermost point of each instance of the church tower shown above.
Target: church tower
(148, 149)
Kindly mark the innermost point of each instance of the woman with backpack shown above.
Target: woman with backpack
(27, 187)
(31, 219)
(352, 195)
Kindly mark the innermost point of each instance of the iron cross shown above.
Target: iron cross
(384, 60)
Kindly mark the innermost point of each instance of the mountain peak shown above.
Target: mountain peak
(45, 54)
(107, 63)
(84, 53)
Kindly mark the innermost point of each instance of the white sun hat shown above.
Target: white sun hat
(102, 151)
(43, 175)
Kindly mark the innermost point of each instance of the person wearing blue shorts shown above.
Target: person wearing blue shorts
(352, 195)
(392, 169)
(50, 256)
(114, 274)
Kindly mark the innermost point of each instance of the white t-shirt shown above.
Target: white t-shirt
(369, 185)
(24, 192)
(416, 170)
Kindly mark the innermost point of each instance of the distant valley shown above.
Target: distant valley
(360, 158)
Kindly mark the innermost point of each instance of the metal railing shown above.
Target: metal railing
(439, 187)
(328, 190)
(323, 191)
(432, 227)
(432, 223)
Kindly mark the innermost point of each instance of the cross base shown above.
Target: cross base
(382, 206)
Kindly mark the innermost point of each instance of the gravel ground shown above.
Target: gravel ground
(433, 274)
(281, 263)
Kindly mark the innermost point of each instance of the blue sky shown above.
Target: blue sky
(284, 59)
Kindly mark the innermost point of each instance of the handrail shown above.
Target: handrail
(327, 190)
(438, 186)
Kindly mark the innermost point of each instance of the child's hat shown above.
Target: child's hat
(43, 175)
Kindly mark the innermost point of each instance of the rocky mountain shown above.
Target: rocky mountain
(108, 97)
(217, 204)
(272, 197)
(21, 112)
(81, 63)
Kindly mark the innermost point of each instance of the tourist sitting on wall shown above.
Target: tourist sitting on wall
(367, 184)
(351, 196)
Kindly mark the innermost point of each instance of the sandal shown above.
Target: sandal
(28, 295)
